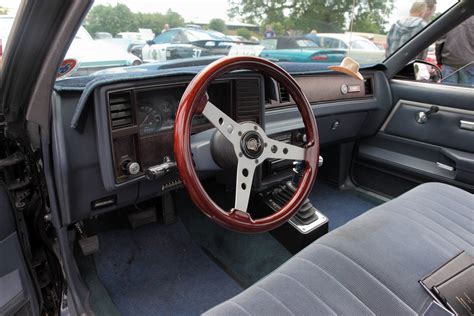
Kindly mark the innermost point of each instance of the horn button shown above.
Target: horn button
(252, 144)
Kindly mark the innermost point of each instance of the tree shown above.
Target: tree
(119, 18)
(106, 18)
(245, 33)
(321, 15)
(217, 25)
(174, 19)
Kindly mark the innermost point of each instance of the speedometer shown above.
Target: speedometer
(150, 119)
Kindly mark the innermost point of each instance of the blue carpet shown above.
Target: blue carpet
(159, 270)
(339, 206)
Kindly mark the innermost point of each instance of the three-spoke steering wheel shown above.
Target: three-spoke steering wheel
(251, 145)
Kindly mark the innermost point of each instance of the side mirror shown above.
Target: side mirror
(421, 70)
(150, 42)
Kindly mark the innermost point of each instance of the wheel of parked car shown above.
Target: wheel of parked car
(250, 143)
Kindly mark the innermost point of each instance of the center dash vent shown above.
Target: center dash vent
(248, 100)
(284, 95)
(120, 110)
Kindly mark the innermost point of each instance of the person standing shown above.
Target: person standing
(403, 30)
(166, 28)
(430, 10)
(269, 32)
(455, 52)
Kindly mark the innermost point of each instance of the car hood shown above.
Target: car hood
(85, 51)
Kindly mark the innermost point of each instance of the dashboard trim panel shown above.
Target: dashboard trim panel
(106, 136)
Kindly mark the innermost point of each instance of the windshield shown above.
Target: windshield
(146, 34)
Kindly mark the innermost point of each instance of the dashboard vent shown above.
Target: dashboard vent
(284, 96)
(120, 110)
(247, 99)
(369, 90)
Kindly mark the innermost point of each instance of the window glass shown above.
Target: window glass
(269, 43)
(305, 43)
(123, 31)
(453, 55)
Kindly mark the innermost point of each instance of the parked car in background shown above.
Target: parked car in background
(357, 47)
(298, 49)
(90, 55)
(93, 55)
(184, 42)
(237, 38)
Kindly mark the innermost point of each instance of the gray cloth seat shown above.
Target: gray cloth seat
(372, 264)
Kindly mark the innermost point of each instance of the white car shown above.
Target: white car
(90, 55)
(362, 49)
(93, 55)
(186, 42)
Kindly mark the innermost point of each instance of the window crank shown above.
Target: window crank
(422, 117)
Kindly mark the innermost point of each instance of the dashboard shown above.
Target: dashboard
(127, 128)
(141, 120)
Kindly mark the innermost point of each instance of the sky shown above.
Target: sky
(204, 10)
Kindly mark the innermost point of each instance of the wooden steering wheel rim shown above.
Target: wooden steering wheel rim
(193, 102)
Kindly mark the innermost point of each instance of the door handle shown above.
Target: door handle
(468, 125)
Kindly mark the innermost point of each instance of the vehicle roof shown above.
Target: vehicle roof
(341, 36)
(286, 37)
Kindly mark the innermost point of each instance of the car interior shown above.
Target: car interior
(234, 188)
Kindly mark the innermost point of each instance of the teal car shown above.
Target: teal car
(299, 49)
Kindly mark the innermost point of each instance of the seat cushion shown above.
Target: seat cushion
(372, 264)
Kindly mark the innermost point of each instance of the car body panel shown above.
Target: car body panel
(298, 49)
(367, 54)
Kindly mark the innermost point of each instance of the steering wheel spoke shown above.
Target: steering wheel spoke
(243, 184)
(227, 126)
(279, 150)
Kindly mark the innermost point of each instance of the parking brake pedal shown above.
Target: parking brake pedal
(88, 245)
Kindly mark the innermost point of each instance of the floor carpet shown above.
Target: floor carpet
(247, 257)
(159, 270)
(338, 205)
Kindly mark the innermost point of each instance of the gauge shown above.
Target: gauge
(150, 119)
(168, 109)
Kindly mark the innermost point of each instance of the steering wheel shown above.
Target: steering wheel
(250, 143)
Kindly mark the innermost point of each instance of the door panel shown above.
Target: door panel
(442, 128)
(405, 153)
(18, 296)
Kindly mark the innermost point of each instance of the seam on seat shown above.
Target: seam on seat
(370, 274)
(275, 298)
(335, 280)
(307, 290)
(432, 220)
(240, 307)
(447, 208)
(454, 197)
(430, 231)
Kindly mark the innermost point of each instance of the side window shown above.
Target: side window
(269, 43)
(340, 44)
(453, 54)
(166, 37)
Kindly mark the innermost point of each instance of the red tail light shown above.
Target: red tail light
(319, 57)
(1, 48)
